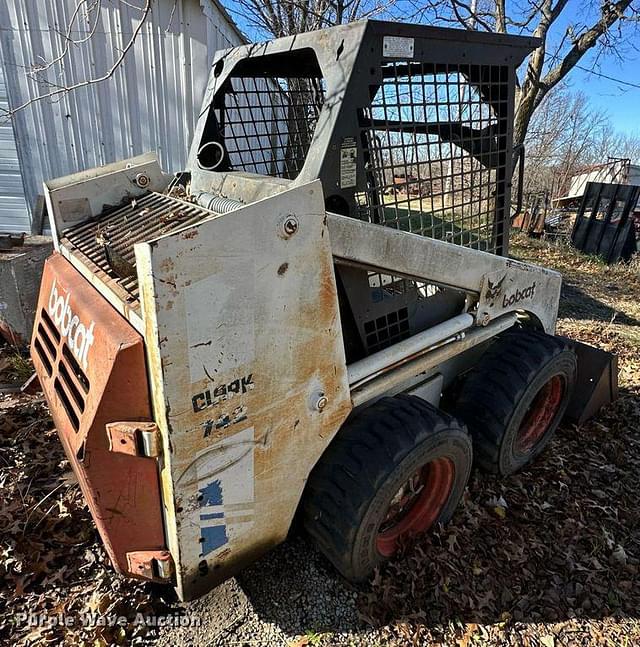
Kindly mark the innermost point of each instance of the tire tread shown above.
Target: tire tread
(336, 496)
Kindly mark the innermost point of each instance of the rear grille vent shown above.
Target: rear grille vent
(51, 326)
(69, 380)
(77, 372)
(46, 362)
(143, 219)
(71, 387)
(387, 330)
(73, 418)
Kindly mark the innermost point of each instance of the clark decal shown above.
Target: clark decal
(215, 395)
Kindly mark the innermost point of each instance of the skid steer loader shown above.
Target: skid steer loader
(316, 319)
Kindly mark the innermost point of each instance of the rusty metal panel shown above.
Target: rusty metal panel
(248, 371)
(91, 365)
(20, 273)
(597, 382)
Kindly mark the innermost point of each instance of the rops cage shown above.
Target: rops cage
(406, 126)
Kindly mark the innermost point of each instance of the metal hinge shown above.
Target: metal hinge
(135, 438)
(154, 565)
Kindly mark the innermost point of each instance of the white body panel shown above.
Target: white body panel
(244, 338)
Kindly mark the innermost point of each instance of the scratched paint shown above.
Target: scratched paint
(213, 531)
(273, 343)
(225, 495)
(231, 293)
(237, 415)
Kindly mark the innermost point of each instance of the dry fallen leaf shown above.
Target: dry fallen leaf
(563, 564)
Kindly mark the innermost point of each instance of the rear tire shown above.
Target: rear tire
(513, 401)
(394, 470)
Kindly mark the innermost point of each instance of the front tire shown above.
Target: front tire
(513, 401)
(394, 470)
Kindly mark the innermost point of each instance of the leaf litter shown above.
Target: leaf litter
(547, 557)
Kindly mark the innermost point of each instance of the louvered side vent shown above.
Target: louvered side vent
(69, 380)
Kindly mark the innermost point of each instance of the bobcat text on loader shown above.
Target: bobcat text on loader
(317, 318)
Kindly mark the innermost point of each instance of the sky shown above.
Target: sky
(619, 101)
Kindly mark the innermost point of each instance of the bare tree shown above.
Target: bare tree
(567, 134)
(562, 48)
(275, 18)
(625, 145)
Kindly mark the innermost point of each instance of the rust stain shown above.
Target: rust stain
(189, 234)
(9, 334)
(111, 387)
(167, 265)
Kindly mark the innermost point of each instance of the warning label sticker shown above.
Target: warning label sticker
(348, 163)
(397, 47)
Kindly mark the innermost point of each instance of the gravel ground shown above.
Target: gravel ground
(290, 596)
(548, 557)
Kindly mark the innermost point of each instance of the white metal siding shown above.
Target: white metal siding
(618, 172)
(14, 215)
(150, 103)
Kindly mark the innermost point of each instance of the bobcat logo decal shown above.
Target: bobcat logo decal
(493, 290)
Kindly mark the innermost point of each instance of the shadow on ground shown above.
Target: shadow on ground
(577, 304)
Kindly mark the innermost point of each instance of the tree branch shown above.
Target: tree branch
(62, 90)
(611, 13)
(535, 87)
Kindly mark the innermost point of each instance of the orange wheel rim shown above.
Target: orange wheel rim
(417, 505)
(542, 412)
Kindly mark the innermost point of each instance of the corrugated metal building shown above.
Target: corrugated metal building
(14, 215)
(614, 171)
(150, 102)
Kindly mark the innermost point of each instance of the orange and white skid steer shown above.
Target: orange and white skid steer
(317, 317)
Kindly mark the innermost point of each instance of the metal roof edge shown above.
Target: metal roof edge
(223, 10)
(438, 32)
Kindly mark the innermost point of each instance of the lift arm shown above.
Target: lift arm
(495, 284)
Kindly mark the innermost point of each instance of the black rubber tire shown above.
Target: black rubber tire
(497, 395)
(372, 456)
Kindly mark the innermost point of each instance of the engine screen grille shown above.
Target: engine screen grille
(435, 142)
(142, 219)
